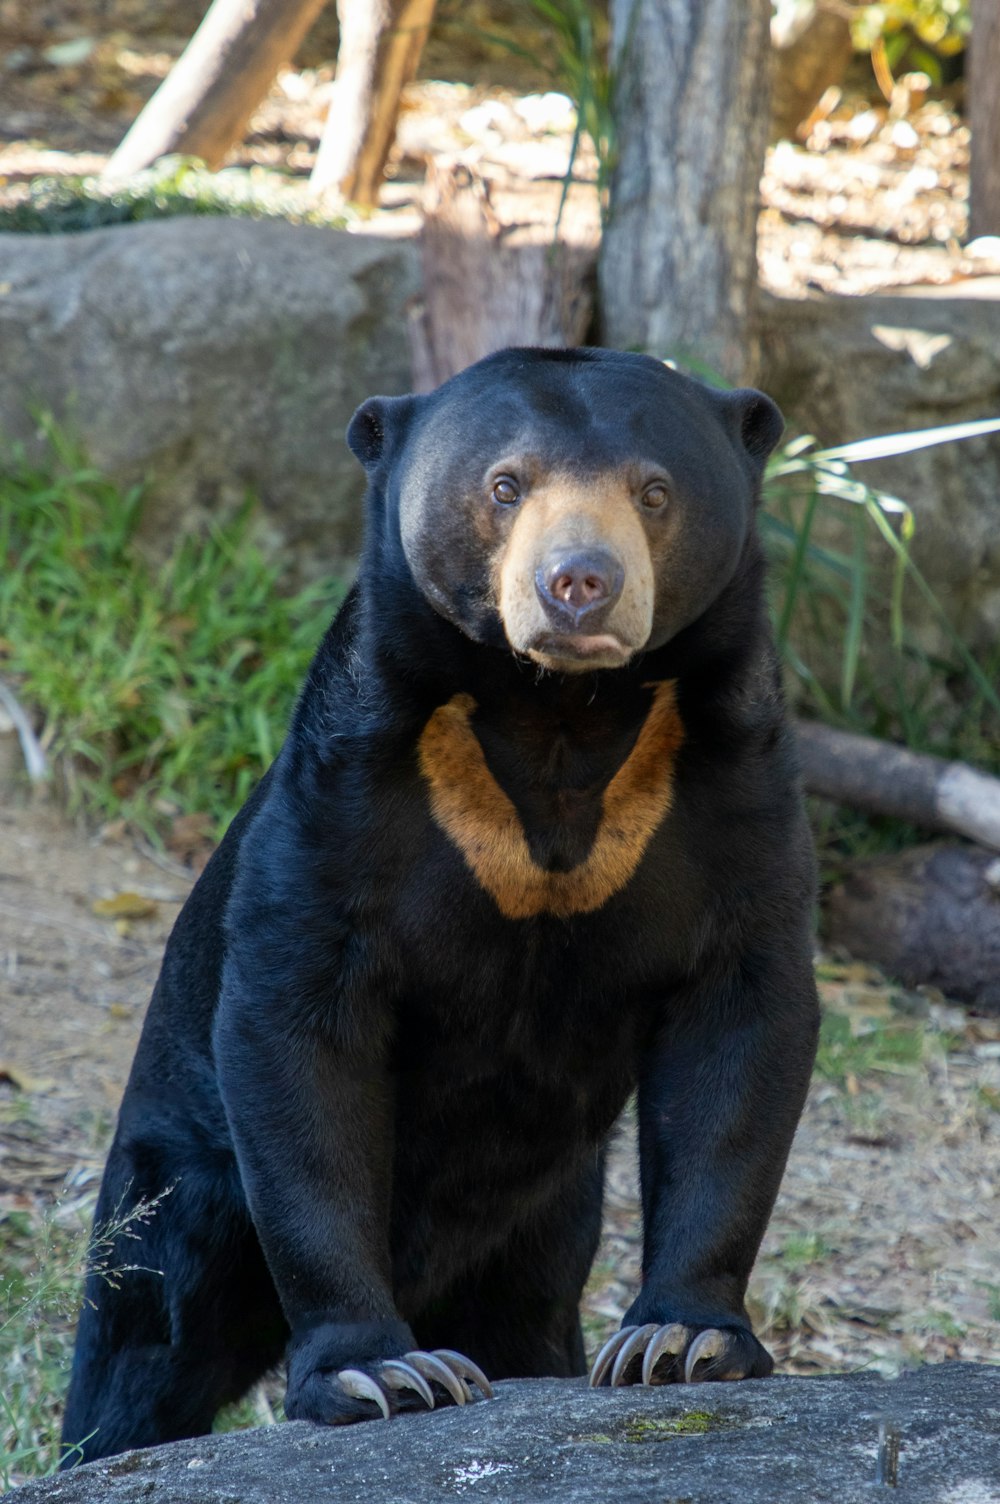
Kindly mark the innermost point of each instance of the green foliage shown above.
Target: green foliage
(939, 27)
(580, 52)
(852, 1047)
(42, 1260)
(160, 690)
(176, 185)
(823, 590)
(576, 62)
(803, 1248)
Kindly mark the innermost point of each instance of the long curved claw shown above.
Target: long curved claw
(605, 1358)
(396, 1374)
(629, 1352)
(465, 1368)
(361, 1387)
(434, 1368)
(670, 1340)
(707, 1345)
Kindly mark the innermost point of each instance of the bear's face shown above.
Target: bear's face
(579, 507)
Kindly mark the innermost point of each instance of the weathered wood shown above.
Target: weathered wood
(203, 105)
(984, 118)
(678, 266)
(889, 780)
(487, 285)
(380, 46)
(812, 50)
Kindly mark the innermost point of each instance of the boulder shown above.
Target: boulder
(811, 1441)
(851, 368)
(211, 357)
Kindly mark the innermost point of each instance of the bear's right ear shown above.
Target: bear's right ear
(376, 428)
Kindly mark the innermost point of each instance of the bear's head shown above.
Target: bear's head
(577, 506)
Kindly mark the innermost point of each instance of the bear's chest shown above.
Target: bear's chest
(545, 836)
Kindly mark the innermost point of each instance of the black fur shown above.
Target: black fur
(381, 1106)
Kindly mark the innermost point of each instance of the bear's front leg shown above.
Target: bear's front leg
(309, 1105)
(719, 1099)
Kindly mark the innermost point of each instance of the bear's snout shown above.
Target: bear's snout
(579, 587)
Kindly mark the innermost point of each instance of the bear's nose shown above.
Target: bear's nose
(573, 586)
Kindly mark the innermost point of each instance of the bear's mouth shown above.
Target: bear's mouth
(580, 650)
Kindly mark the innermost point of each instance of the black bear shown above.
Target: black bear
(534, 841)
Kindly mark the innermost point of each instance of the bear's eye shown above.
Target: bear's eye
(654, 496)
(505, 491)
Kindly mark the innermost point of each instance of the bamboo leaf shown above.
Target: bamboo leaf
(855, 612)
(888, 444)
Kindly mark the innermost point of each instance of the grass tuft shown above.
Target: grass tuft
(42, 1260)
(824, 592)
(159, 690)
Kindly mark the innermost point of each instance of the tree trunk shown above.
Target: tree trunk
(678, 266)
(380, 46)
(984, 118)
(202, 107)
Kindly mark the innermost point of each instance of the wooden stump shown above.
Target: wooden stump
(488, 285)
(928, 916)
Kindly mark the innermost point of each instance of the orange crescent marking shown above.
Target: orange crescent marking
(475, 813)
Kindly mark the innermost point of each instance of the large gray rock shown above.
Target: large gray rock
(209, 356)
(849, 368)
(811, 1441)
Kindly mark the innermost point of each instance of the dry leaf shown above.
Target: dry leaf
(125, 906)
(22, 1080)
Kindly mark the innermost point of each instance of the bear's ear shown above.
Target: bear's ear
(757, 423)
(376, 427)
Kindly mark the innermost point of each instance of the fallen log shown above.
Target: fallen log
(888, 780)
(203, 105)
(380, 46)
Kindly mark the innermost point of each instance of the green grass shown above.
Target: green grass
(851, 1047)
(42, 1261)
(160, 690)
(39, 1286)
(803, 1248)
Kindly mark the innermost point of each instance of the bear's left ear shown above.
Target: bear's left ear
(755, 421)
(377, 427)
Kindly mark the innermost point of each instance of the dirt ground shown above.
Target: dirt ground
(882, 1250)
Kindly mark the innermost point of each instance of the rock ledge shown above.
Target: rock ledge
(812, 1441)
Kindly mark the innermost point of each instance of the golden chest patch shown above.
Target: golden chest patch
(475, 813)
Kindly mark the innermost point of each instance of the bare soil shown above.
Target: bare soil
(883, 1247)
